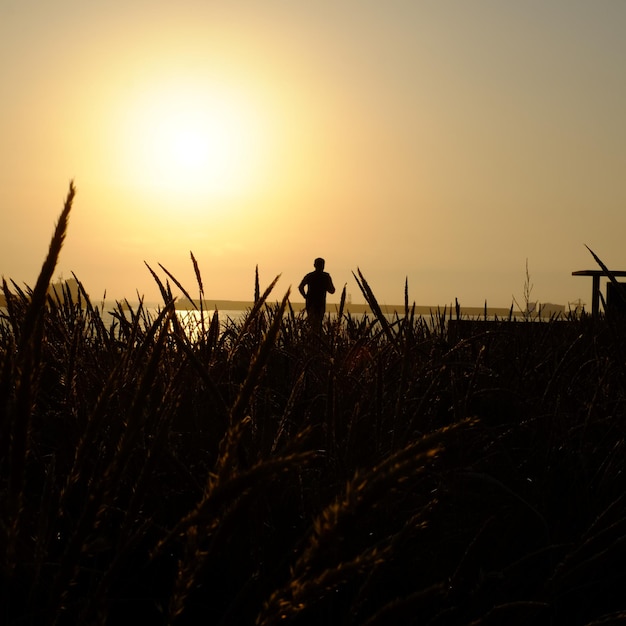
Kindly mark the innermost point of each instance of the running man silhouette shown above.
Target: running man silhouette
(318, 283)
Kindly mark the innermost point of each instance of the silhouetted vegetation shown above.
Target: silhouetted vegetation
(257, 472)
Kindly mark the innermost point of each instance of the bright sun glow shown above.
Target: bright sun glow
(192, 142)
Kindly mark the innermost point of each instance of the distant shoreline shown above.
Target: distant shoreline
(356, 309)
(331, 307)
(359, 309)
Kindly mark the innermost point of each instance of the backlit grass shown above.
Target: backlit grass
(257, 472)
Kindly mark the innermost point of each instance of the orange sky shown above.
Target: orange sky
(446, 142)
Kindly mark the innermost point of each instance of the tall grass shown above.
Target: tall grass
(259, 472)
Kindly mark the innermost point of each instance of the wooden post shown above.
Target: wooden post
(595, 287)
(595, 302)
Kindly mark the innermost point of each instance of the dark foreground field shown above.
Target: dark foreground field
(375, 473)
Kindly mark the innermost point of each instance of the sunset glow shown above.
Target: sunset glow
(443, 143)
(192, 142)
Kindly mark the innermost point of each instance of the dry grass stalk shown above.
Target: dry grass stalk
(25, 369)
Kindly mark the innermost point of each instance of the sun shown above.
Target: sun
(194, 142)
(203, 148)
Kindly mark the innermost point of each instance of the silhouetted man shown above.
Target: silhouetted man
(318, 283)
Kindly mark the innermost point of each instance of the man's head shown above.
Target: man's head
(319, 263)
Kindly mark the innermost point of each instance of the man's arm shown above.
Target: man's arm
(331, 287)
(303, 282)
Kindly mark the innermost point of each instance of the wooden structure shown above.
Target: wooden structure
(595, 287)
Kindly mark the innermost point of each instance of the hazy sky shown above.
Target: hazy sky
(443, 141)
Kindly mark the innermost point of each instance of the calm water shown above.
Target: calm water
(191, 320)
(187, 318)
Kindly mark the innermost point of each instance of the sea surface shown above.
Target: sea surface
(191, 320)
